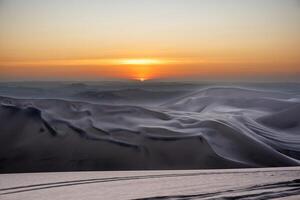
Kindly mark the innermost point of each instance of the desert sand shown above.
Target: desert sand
(109, 126)
(262, 183)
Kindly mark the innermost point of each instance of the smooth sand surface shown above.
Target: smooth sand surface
(262, 183)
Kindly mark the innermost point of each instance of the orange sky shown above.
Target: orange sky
(158, 39)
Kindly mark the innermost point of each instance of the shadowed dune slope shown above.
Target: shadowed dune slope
(214, 127)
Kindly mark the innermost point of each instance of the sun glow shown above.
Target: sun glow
(141, 68)
(140, 61)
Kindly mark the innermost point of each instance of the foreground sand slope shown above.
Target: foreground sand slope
(263, 183)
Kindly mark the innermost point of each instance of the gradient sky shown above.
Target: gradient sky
(149, 39)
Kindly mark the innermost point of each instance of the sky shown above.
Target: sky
(149, 39)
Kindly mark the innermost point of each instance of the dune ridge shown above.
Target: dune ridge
(214, 127)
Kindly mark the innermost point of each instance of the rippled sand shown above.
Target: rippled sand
(263, 183)
(198, 128)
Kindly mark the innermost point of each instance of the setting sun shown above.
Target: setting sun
(161, 40)
(140, 61)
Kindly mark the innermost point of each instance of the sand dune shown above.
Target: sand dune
(214, 127)
(128, 96)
